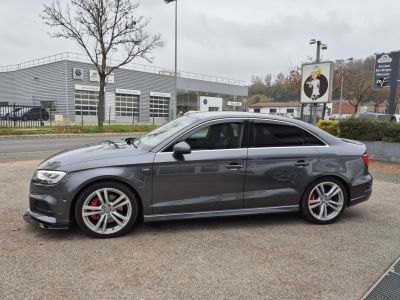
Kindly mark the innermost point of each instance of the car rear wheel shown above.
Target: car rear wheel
(324, 201)
(106, 210)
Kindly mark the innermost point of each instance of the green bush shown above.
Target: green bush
(328, 126)
(369, 130)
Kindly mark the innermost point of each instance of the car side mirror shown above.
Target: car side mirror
(181, 149)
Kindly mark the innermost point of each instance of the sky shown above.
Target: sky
(228, 38)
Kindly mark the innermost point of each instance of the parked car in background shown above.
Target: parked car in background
(201, 165)
(395, 118)
(373, 116)
(28, 114)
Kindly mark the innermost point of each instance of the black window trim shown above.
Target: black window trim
(190, 131)
(278, 122)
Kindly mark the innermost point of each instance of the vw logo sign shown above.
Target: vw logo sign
(77, 73)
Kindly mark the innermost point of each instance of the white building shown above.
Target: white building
(289, 109)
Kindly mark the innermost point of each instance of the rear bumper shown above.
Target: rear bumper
(361, 192)
(42, 221)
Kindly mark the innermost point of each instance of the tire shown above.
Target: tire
(24, 118)
(101, 218)
(317, 197)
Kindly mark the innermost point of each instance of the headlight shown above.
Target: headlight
(48, 177)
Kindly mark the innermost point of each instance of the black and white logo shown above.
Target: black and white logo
(77, 73)
(205, 101)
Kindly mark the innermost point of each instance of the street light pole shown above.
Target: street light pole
(341, 100)
(341, 88)
(172, 113)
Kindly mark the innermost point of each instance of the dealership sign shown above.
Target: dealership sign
(94, 76)
(234, 103)
(316, 83)
(89, 88)
(383, 69)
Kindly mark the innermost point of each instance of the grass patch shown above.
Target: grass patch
(76, 129)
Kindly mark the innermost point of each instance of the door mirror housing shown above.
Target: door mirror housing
(182, 148)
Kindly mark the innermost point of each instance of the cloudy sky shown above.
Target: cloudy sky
(230, 38)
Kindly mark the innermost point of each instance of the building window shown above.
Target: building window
(159, 107)
(256, 110)
(126, 105)
(86, 102)
(272, 110)
(290, 110)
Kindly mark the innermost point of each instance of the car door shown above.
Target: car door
(280, 161)
(210, 178)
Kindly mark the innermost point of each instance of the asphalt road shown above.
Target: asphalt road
(263, 257)
(40, 147)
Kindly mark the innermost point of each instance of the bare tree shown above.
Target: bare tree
(358, 82)
(102, 28)
(379, 97)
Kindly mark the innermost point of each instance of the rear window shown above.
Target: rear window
(276, 135)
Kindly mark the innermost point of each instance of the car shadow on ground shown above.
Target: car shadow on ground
(194, 225)
(216, 223)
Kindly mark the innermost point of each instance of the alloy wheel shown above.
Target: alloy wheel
(106, 211)
(326, 201)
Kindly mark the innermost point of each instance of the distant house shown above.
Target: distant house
(284, 108)
(347, 109)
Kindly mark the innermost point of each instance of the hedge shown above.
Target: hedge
(362, 129)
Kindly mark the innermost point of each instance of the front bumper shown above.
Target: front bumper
(42, 221)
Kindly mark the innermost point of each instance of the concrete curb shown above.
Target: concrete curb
(69, 135)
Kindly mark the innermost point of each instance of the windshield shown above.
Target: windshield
(157, 136)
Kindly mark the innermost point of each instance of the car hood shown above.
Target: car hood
(91, 152)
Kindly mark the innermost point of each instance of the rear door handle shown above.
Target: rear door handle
(234, 166)
(301, 163)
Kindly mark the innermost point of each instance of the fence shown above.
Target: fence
(24, 116)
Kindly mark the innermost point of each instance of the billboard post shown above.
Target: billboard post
(386, 73)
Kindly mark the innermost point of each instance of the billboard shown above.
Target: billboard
(382, 71)
(316, 83)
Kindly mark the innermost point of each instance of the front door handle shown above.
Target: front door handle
(234, 166)
(301, 163)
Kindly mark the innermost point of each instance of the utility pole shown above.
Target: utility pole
(172, 112)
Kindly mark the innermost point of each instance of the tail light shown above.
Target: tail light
(365, 158)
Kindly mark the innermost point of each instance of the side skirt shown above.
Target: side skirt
(222, 213)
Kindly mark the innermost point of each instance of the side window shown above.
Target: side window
(217, 136)
(276, 135)
(311, 140)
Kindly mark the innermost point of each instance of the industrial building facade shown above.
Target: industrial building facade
(67, 84)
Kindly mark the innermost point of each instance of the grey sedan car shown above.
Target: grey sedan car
(201, 165)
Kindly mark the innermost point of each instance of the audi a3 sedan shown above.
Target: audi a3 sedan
(201, 165)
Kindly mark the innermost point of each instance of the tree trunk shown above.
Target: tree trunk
(100, 107)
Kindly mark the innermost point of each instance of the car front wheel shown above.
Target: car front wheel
(324, 201)
(106, 210)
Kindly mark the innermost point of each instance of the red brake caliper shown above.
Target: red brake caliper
(313, 196)
(94, 202)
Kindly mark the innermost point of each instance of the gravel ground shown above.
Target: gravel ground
(263, 257)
